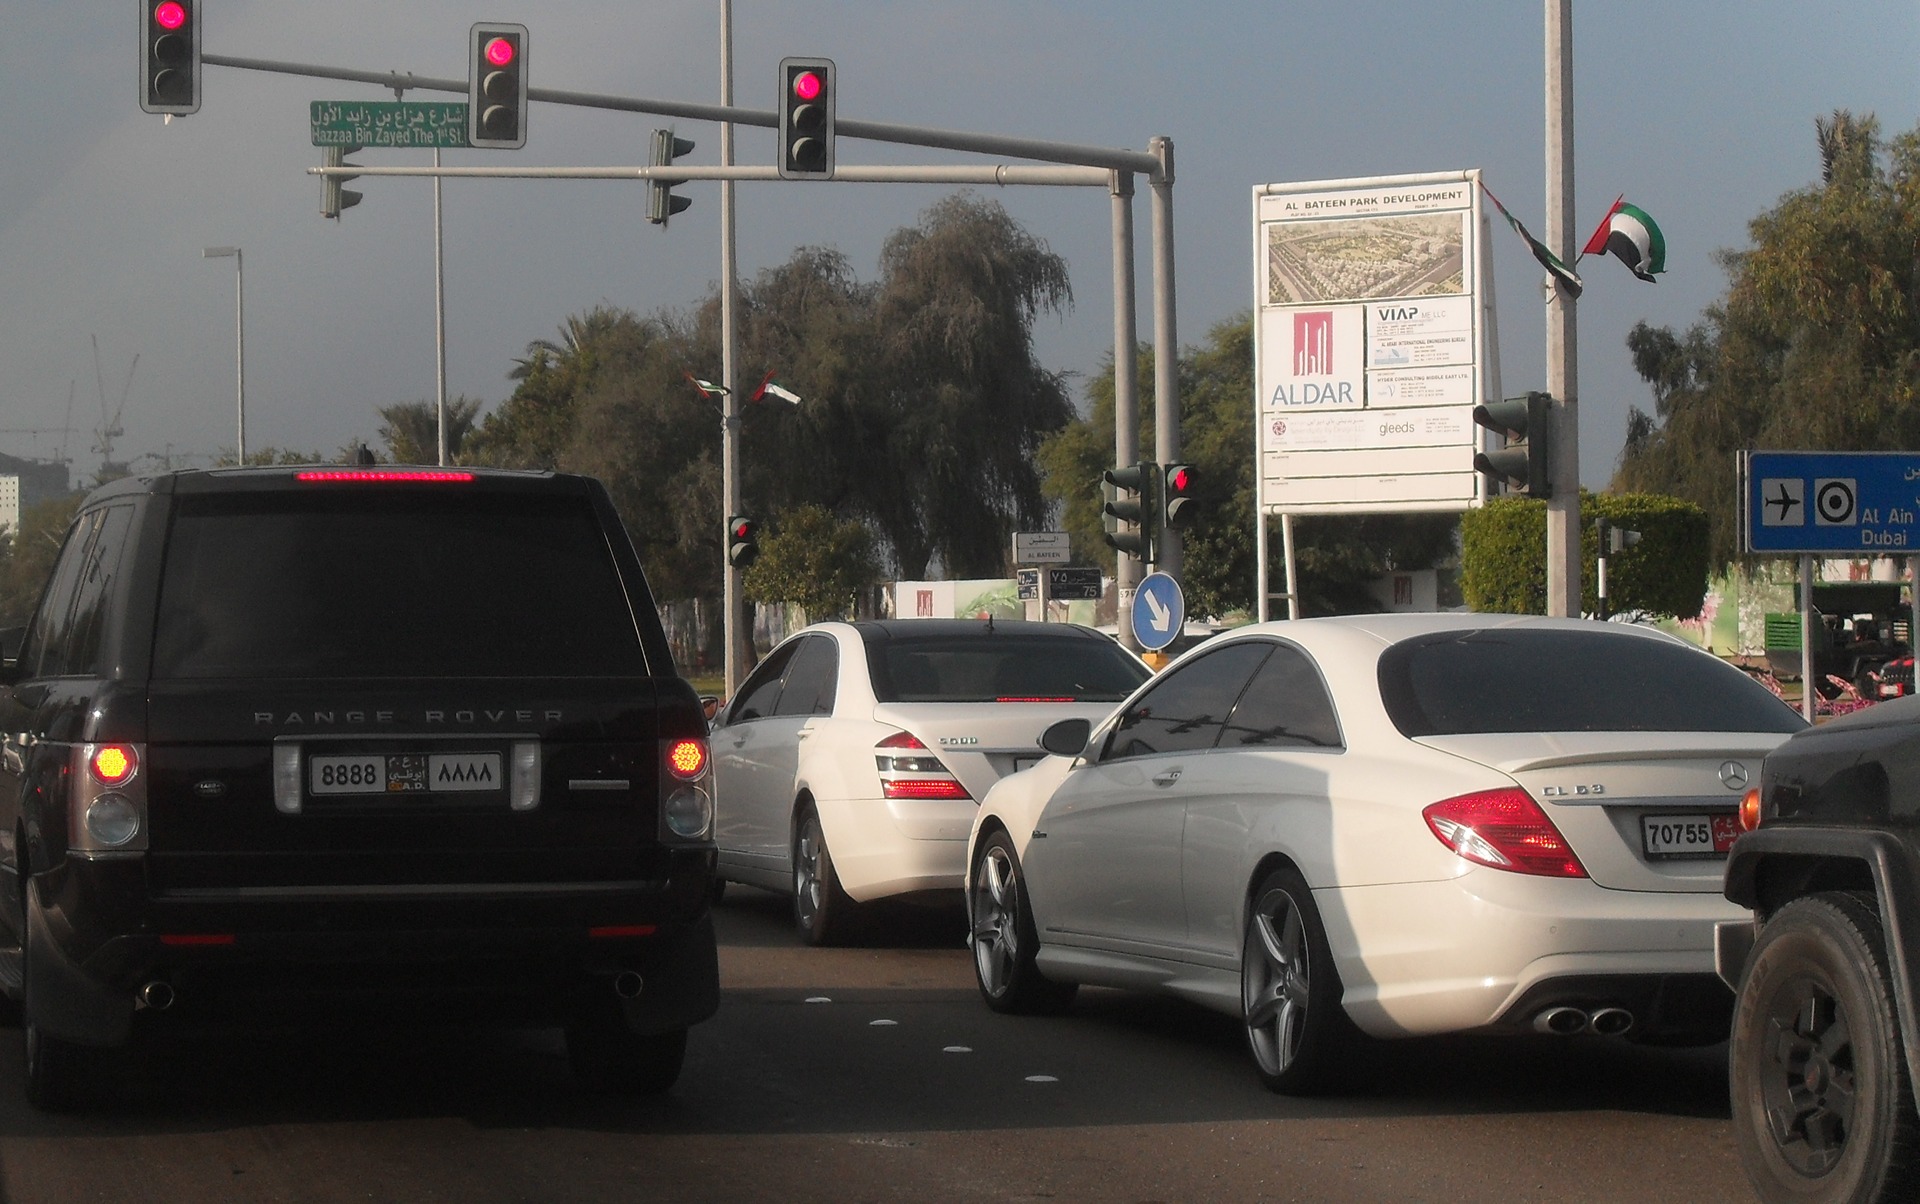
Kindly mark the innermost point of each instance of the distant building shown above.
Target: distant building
(24, 484)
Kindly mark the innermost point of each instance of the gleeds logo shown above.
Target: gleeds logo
(1313, 343)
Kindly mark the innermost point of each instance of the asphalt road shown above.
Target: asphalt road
(876, 1074)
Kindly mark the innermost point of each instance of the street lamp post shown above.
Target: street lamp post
(240, 340)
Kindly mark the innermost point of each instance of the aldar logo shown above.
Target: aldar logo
(1313, 344)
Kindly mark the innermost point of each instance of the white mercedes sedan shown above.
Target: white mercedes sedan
(849, 765)
(1388, 825)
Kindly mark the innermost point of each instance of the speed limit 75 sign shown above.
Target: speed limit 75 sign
(1832, 502)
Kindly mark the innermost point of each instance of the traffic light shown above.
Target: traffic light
(661, 203)
(334, 198)
(1525, 463)
(806, 119)
(1176, 496)
(1141, 509)
(170, 56)
(497, 86)
(743, 542)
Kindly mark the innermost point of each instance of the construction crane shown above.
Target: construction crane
(110, 428)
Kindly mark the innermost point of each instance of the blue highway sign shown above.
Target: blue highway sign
(1856, 503)
(1159, 611)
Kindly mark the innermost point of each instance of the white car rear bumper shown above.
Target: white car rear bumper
(1436, 957)
(886, 847)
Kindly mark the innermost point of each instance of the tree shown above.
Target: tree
(27, 555)
(814, 561)
(411, 429)
(1816, 345)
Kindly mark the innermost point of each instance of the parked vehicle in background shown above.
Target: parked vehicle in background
(282, 737)
(1390, 824)
(1825, 1051)
(848, 766)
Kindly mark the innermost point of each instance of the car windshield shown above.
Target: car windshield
(987, 667)
(1514, 680)
(390, 584)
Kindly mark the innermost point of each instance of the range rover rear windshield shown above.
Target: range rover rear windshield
(986, 668)
(391, 583)
(1513, 680)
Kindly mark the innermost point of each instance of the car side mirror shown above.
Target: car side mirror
(1067, 738)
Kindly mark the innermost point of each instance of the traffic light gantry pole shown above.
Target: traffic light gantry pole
(1075, 165)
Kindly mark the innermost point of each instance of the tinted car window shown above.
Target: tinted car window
(1185, 711)
(810, 683)
(762, 687)
(1286, 704)
(94, 593)
(366, 582)
(45, 650)
(1513, 680)
(985, 667)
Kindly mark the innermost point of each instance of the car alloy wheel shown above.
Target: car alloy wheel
(1289, 992)
(1822, 1110)
(822, 911)
(995, 913)
(1003, 935)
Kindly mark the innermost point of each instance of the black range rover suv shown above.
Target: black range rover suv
(307, 736)
(1825, 1051)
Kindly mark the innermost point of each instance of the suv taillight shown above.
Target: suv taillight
(107, 813)
(1505, 830)
(686, 802)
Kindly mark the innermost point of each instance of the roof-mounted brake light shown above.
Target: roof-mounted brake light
(381, 474)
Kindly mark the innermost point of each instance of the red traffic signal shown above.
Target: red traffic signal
(742, 541)
(170, 57)
(497, 86)
(806, 119)
(1176, 495)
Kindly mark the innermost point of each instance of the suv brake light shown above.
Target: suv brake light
(113, 764)
(1504, 830)
(380, 474)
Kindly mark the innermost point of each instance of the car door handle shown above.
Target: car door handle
(1167, 779)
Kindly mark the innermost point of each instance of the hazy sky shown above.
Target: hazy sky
(1701, 112)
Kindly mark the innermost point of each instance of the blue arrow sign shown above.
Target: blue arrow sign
(1856, 503)
(1159, 611)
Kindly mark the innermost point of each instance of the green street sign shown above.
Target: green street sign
(358, 123)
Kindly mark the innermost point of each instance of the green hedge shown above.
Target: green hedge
(1503, 555)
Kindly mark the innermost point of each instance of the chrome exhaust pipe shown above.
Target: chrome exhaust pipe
(1561, 1021)
(1612, 1021)
(157, 995)
(627, 984)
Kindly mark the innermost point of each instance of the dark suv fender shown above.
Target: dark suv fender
(62, 999)
(1774, 865)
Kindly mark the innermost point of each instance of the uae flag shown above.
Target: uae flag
(1630, 235)
(1568, 278)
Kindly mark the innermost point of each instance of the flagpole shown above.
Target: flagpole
(1563, 508)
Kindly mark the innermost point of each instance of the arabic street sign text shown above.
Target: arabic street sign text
(389, 123)
(1857, 503)
(1078, 584)
(1041, 547)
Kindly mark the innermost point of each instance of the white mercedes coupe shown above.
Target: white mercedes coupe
(848, 765)
(1389, 825)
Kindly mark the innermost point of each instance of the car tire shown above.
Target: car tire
(1003, 935)
(823, 912)
(1822, 1109)
(1290, 993)
(609, 1058)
